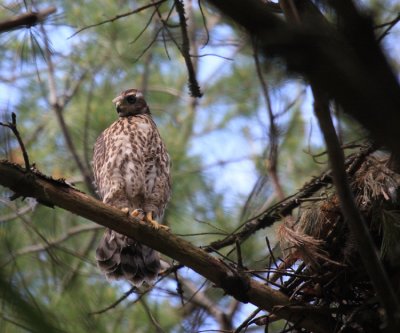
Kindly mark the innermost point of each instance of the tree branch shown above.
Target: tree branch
(13, 127)
(241, 286)
(117, 17)
(58, 107)
(26, 20)
(185, 51)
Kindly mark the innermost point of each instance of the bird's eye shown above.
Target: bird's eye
(131, 99)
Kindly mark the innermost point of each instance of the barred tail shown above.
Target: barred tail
(121, 257)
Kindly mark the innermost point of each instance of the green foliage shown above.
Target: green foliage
(49, 281)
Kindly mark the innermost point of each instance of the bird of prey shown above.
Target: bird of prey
(132, 172)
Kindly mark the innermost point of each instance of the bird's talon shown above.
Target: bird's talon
(125, 210)
(138, 214)
(154, 223)
(162, 226)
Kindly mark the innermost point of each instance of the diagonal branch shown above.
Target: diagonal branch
(237, 284)
(117, 17)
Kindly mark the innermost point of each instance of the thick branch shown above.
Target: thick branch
(240, 286)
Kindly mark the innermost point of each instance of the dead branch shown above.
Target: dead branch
(242, 287)
(185, 51)
(26, 20)
(13, 127)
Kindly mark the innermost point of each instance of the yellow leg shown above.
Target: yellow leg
(154, 223)
(138, 213)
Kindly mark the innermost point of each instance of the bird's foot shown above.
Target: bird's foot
(149, 218)
(138, 214)
(125, 210)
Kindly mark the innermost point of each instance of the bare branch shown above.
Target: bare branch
(117, 17)
(152, 319)
(389, 26)
(13, 127)
(58, 106)
(194, 87)
(272, 161)
(114, 304)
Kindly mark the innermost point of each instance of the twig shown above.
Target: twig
(26, 20)
(201, 299)
(17, 212)
(113, 305)
(239, 256)
(185, 51)
(13, 127)
(389, 26)
(58, 107)
(272, 162)
(247, 321)
(145, 27)
(153, 320)
(179, 288)
(271, 253)
(117, 17)
(54, 242)
(204, 22)
(356, 223)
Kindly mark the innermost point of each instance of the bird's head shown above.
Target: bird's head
(130, 103)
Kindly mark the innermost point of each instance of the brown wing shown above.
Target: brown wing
(158, 181)
(99, 154)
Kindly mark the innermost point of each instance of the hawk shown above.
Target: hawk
(132, 172)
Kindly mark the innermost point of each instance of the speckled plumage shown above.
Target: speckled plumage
(132, 170)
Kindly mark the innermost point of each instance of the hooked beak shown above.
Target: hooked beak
(118, 107)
